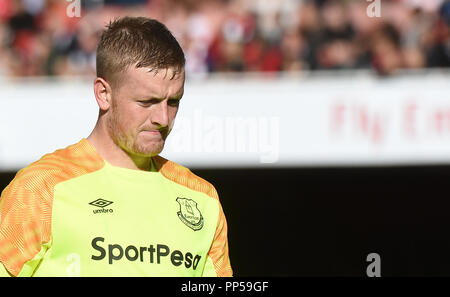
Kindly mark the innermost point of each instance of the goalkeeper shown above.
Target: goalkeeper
(109, 205)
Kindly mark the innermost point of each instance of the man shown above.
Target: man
(109, 205)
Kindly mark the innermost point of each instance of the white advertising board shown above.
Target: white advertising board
(348, 120)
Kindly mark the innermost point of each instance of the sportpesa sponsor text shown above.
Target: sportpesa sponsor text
(116, 252)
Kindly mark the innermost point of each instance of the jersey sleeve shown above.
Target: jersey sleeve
(23, 229)
(218, 260)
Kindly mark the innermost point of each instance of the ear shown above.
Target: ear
(103, 93)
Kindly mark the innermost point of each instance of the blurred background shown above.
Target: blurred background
(338, 115)
(37, 37)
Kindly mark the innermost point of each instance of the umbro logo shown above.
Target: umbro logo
(101, 203)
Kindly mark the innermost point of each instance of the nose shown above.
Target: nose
(159, 115)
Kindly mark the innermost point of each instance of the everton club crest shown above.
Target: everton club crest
(189, 214)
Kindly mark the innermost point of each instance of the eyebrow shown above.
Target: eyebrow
(177, 96)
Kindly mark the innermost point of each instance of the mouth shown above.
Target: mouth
(152, 132)
(156, 133)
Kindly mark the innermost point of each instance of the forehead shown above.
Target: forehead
(146, 81)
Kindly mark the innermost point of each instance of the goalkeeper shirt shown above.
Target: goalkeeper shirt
(71, 213)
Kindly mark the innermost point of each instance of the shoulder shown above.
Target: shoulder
(42, 175)
(26, 203)
(183, 176)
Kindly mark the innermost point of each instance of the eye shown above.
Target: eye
(173, 102)
(148, 102)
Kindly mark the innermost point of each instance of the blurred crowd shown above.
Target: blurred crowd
(59, 37)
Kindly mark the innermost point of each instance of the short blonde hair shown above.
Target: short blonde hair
(137, 41)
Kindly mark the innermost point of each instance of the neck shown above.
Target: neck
(114, 154)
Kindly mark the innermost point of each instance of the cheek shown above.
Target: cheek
(132, 119)
(122, 124)
(172, 114)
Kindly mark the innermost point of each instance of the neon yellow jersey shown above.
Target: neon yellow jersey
(71, 213)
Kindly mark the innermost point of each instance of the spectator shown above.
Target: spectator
(37, 37)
